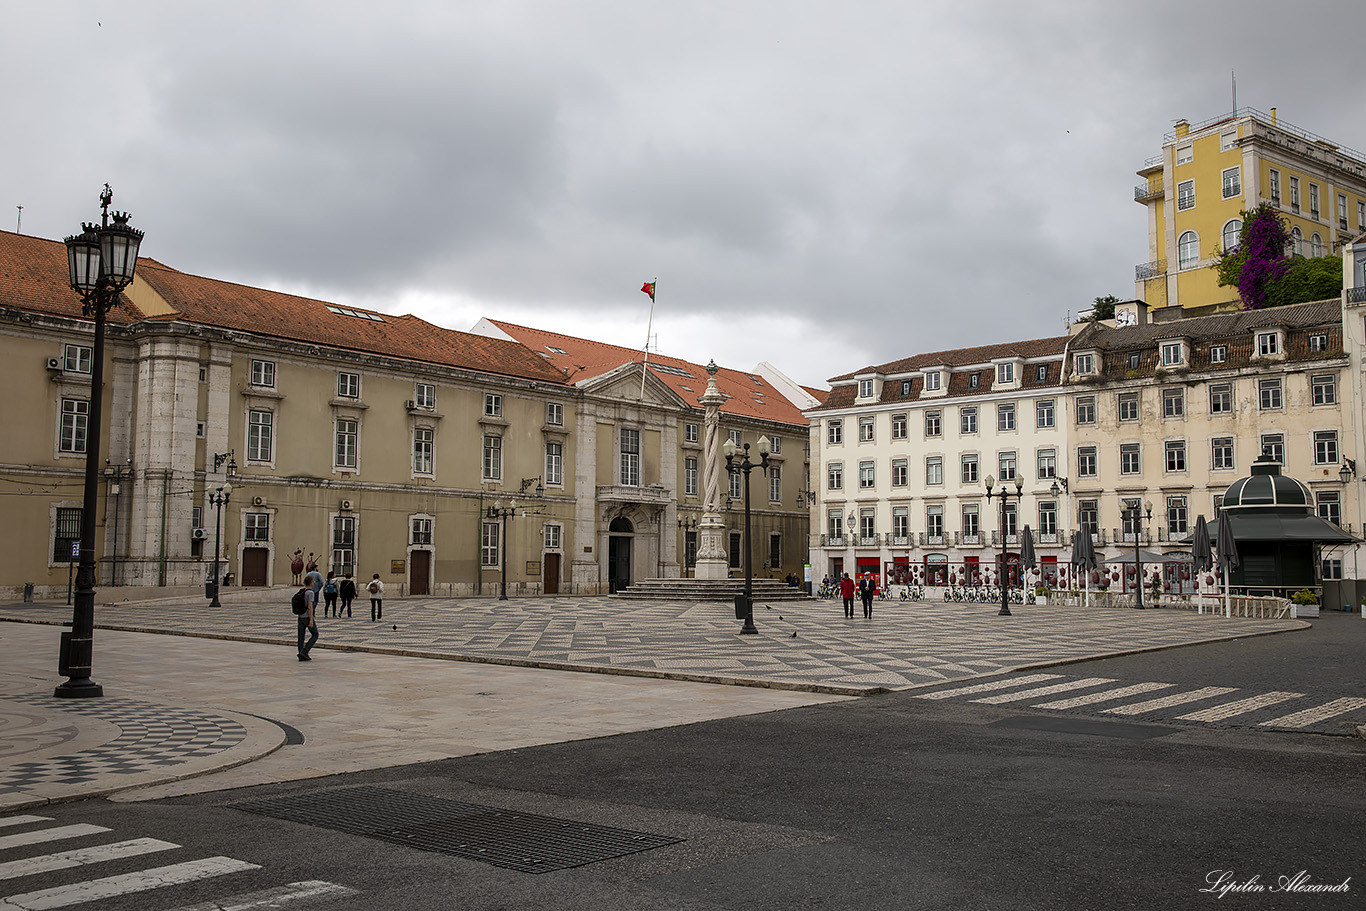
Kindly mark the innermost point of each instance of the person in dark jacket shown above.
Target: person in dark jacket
(348, 594)
(866, 588)
(847, 593)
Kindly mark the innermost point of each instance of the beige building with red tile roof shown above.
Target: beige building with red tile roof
(377, 442)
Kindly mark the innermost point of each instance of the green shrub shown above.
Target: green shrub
(1304, 596)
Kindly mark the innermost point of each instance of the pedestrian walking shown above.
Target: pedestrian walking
(330, 596)
(303, 604)
(376, 590)
(348, 594)
(314, 580)
(866, 588)
(847, 593)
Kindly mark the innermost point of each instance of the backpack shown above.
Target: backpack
(299, 604)
(330, 588)
(373, 587)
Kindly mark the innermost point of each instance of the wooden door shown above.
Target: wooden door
(254, 564)
(550, 574)
(420, 563)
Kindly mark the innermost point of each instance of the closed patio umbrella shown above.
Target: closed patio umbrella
(1200, 548)
(1084, 557)
(1225, 552)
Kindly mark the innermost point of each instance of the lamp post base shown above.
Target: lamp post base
(78, 689)
(1004, 611)
(749, 629)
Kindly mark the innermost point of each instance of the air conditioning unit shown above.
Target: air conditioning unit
(410, 404)
(200, 534)
(258, 501)
(345, 505)
(54, 363)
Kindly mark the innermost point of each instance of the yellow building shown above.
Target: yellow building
(1210, 172)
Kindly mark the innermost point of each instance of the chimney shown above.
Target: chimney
(1273, 117)
(1183, 128)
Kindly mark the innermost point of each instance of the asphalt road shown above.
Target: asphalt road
(886, 802)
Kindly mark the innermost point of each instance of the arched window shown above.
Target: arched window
(1296, 242)
(1188, 250)
(1315, 244)
(1231, 232)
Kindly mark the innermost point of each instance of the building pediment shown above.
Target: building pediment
(623, 384)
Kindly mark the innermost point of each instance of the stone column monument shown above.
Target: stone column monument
(711, 531)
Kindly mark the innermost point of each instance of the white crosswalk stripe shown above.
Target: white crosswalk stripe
(1044, 691)
(987, 687)
(274, 898)
(56, 833)
(1314, 715)
(1164, 702)
(1239, 707)
(82, 857)
(1104, 696)
(110, 886)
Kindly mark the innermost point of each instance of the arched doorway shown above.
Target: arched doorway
(619, 554)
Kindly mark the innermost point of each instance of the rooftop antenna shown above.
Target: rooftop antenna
(19, 225)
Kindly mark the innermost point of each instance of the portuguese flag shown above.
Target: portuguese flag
(649, 288)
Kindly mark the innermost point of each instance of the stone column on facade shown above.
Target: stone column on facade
(711, 550)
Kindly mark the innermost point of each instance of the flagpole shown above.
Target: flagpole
(649, 327)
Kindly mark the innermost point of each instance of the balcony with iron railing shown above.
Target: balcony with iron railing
(1155, 269)
(1154, 188)
(1356, 295)
(834, 541)
(894, 540)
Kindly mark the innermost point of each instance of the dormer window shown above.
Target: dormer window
(1218, 354)
(1173, 354)
(1005, 373)
(1268, 344)
(1084, 363)
(905, 388)
(974, 380)
(865, 389)
(932, 381)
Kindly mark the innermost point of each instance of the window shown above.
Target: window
(1313, 200)
(493, 458)
(867, 522)
(1342, 212)
(1294, 194)
(343, 544)
(1012, 520)
(967, 420)
(348, 385)
(933, 381)
(630, 457)
(775, 444)
(488, 545)
(1174, 403)
(1273, 444)
(1005, 416)
(1088, 514)
(934, 470)
(263, 373)
(1315, 245)
(934, 522)
(1232, 185)
(1274, 185)
(1176, 455)
(865, 430)
(422, 450)
(1128, 406)
(1185, 154)
(347, 432)
(775, 484)
(1221, 453)
(493, 405)
(1086, 409)
(1220, 398)
(1129, 458)
(1296, 241)
(66, 532)
(690, 477)
(735, 438)
(1172, 354)
(1318, 342)
(933, 424)
(1005, 373)
(1048, 518)
(75, 425)
(971, 526)
(735, 491)
(690, 433)
(1325, 447)
(1361, 216)
(898, 426)
(260, 435)
(1188, 250)
(775, 549)
(1043, 413)
(1048, 464)
(1329, 506)
(900, 472)
(901, 522)
(1332, 568)
(1218, 354)
(1084, 363)
(258, 526)
(834, 523)
(552, 539)
(1269, 394)
(1325, 389)
(974, 380)
(865, 389)
(1005, 464)
(554, 416)
(1185, 195)
(969, 465)
(554, 463)
(1086, 461)
(425, 395)
(77, 358)
(1232, 230)
(1041, 373)
(867, 477)
(835, 432)
(1133, 361)
(1176, 516)
(834, 476)
(421, 530)
(905, 388)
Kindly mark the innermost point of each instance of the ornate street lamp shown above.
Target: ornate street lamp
(744, 604)
(1004, 496)
(1137, 518)
(499, 511)
(223, 496)
(687, 524)
(101, 260)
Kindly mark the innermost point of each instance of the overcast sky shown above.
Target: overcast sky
(822, 185)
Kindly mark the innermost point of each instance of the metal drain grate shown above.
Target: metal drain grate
(504, 838)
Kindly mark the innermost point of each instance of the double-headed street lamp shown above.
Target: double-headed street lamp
(1136, 516)
(1004, 496)
(744, 466)
(499, 511)
(218, 500)
(101, 260)
(687, 525)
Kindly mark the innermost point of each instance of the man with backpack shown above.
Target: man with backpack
(376, 590)
(303, 604)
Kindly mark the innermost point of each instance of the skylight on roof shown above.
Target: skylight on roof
(555, 350)
(672, 370)
(358, 314)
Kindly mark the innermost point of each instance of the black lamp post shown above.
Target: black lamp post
(743, 467)
(1004, 496)
(218, 500)
(499, 511)
(687, 524)
(101, 260)
(1136, 515)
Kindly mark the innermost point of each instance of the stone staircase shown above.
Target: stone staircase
(711, 590)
